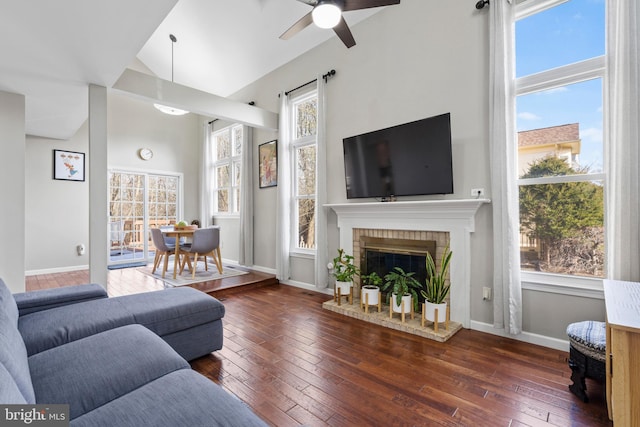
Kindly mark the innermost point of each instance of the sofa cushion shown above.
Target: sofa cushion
(172, 310)
(92, 371)
(181, 398)
(30, 302)
(8, 303)
(51, 328)
(13, 354)
(164, 312)
(9, 392)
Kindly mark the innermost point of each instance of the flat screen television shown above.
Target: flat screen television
(405, 160)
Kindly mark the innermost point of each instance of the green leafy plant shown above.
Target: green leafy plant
(372, 279)
(436, 288)
(401, 283)
(343, 268)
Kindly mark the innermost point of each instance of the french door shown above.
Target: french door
(139, 201)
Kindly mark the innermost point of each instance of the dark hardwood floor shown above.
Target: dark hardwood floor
(297, 364)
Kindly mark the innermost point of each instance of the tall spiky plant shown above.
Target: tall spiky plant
(436, 288)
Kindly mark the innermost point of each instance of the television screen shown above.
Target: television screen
(405, 160)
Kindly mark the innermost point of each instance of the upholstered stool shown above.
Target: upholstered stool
(587, 351)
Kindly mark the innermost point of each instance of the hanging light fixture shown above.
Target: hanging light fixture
(165, 108)
(326, 14)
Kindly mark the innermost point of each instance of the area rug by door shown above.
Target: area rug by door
(185, 278)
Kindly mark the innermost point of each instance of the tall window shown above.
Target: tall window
(227, 151)
(560, 67)
(304, 137)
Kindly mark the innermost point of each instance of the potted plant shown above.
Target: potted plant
(403, 288)
(344, 271)
(436, 287)
(370, 291)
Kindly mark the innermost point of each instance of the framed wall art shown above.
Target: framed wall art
(68, 165)
(268, 158)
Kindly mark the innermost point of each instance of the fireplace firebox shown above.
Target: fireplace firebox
(381, 255)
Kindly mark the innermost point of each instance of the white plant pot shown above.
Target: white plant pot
(343, 288)
(430, 311)
(370, 295)
(406, 302)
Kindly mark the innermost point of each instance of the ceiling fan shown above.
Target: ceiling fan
(328, 14)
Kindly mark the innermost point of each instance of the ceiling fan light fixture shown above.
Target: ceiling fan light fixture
(326, 14)
(170, 110)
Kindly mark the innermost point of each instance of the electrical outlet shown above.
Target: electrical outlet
(477, 192)
(486, 293)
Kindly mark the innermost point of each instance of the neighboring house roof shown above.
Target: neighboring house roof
(551, 135)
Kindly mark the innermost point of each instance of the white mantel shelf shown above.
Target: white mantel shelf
(455, 216)
(451, 208)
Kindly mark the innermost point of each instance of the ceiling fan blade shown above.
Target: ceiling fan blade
(309, 2)
(367, 4)
(343, 31)
(302, 23)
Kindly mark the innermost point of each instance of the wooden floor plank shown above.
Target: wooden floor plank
(297, 364)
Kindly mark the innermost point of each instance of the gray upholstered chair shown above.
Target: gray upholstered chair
(162, 250)
(206, 242)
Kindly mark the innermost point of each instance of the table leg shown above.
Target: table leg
(175, 257)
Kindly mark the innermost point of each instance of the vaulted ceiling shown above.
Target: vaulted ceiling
(51, 51)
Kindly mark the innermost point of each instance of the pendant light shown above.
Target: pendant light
(165, 108)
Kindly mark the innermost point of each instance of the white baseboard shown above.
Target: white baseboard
(56, 270)
(555, 343)
(307, 286)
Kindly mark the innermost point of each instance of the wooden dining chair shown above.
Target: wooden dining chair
(206, 242)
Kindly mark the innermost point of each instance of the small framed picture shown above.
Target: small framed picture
(68, 165)
(268, 155)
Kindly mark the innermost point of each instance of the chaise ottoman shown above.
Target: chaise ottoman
(189, 320)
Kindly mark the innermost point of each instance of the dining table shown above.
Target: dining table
(178, 233)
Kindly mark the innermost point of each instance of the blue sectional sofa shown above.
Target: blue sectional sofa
(115, 361)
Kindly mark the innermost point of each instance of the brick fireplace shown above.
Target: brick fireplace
(404, 248)
(441, 221)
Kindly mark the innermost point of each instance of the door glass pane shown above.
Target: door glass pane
(236, 199)
(306, 170)
(223, 145)
(306, 223)
(222, 174)
(223, 200)
(237, 140)
(564, 34)
(306, 118)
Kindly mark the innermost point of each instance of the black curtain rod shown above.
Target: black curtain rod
(324, 76)
(250, 103)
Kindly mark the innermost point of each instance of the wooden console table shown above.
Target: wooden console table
(622, 300)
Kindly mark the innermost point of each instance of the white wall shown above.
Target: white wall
(57, 211)
(12, 125)
(413, 60)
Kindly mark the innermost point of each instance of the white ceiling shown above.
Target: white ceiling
(52, 50)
